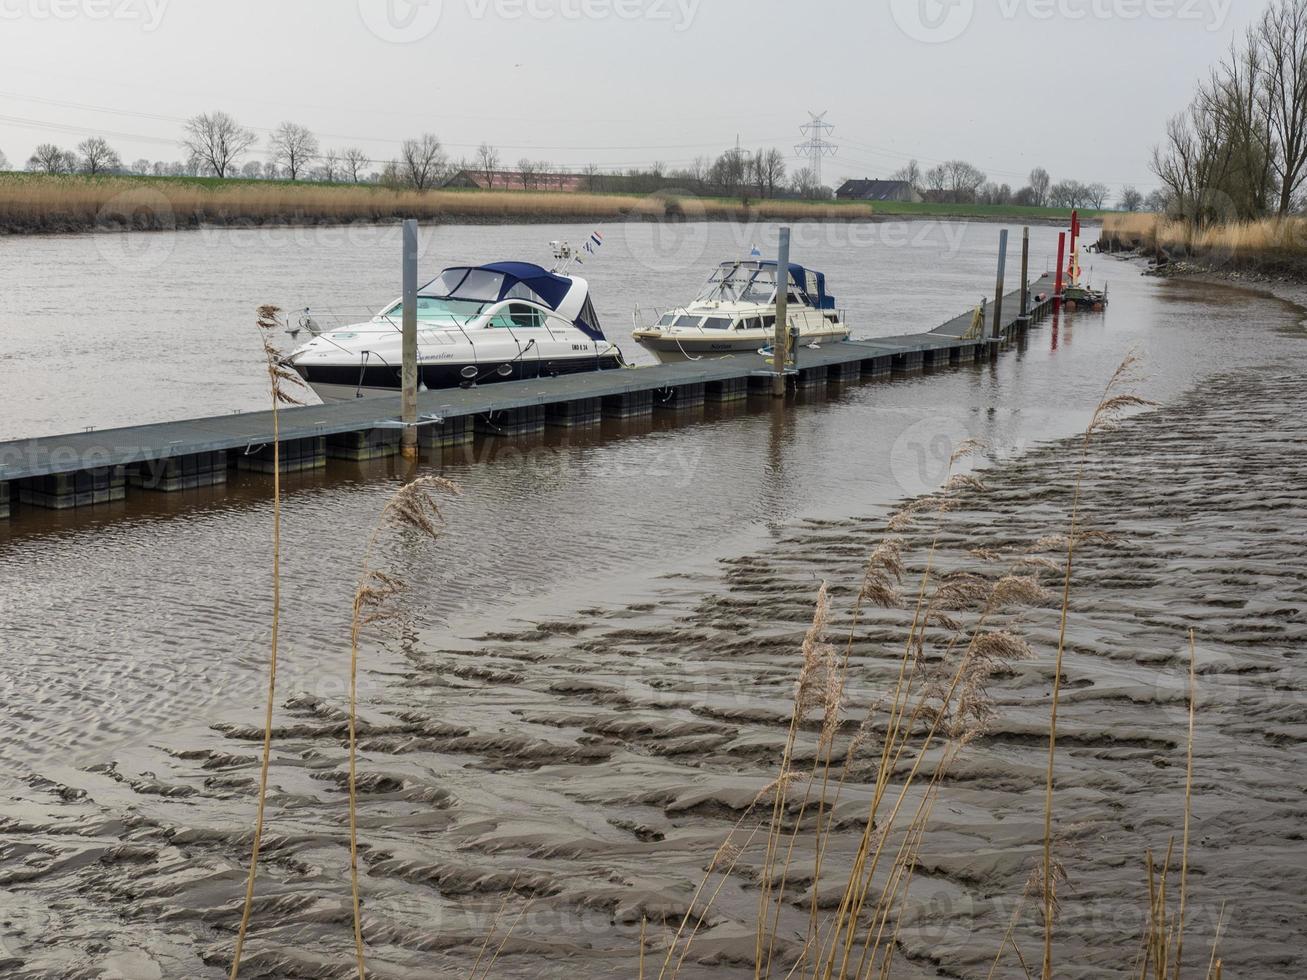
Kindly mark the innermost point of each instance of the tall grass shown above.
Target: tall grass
(412, 508)
(281, 387)
(1272, 243)
(35, 203)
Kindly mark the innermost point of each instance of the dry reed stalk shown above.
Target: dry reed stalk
(1188, 805)
(1107, 412)
(644, 925)
(413, 507)
(1214, 965)
(281, 382)
(810, 692)
(507, 936)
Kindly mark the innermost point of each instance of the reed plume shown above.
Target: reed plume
(282, 385)
(413, 508)
(1111, 406)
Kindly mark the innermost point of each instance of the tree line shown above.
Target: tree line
(960, 182)
(217, 145)
(1239, 151)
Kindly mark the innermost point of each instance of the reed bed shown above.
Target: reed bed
(35, 203)
(1271, 245)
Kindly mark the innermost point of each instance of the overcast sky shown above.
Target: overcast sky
(1082, 87)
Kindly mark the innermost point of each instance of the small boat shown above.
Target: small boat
(736, 313)
(476, 324)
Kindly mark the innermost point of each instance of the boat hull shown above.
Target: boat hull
(672, 348)
(336, 383)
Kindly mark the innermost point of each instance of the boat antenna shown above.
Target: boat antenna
(565, 254)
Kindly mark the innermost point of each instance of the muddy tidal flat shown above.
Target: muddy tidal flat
(563, 784)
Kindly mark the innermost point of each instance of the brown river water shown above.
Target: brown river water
(596, 659)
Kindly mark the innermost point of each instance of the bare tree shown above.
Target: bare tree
(331, 170)
(1040, 182)
(252, 170)
(955, 182)
(910, 172)
(771, 170)
(98, 157)
(526, 171)
(4, 161)
(804, 183)
(50, 159)
(422, 161)
(1096, 196)
(1131, 199)
(352, 162)
(1282, 34)
(487, 163)
(217, 141)
(698, 170)
(293, 147)
(592, 176)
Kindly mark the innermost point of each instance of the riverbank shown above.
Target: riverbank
(562, 784)
(39, 204)
(1266, 252)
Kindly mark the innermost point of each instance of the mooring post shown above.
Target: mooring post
(780, 354)
(409, 377)
(998, 288)
(1025, 273)
(1061, 267)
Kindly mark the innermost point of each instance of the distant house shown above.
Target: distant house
(515, 180)
(878, 190)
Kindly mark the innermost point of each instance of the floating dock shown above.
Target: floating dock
(97, 467)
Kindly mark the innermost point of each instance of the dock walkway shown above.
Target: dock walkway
(95, 467)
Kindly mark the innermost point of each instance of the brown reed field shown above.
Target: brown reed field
(1272, 245)
(32, 203)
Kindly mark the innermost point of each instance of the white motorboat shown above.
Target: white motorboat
(736, 313)
(499, 322)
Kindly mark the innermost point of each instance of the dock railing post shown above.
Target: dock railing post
(409, 376)
(998, 288)
(780, 355)
(1025, 273)
(1059, 287)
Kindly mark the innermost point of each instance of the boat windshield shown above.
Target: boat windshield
(740, 282)
(433, 308)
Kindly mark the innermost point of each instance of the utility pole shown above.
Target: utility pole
(409, 406)
(816, 129)
(780, 354)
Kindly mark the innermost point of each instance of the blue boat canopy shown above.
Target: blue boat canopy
(499, 281)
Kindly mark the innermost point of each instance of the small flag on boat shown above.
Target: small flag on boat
(756, 253)
(597, 238)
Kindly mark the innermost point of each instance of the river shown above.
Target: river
(130, 631)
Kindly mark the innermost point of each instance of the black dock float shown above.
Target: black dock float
(96, 467)
(582, 413)
(179, 473)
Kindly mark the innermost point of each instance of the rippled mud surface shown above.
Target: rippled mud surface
(557, 782)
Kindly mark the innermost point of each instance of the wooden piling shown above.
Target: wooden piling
(997, 334)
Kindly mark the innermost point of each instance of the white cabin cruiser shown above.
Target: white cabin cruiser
(736, 313)
(499, 322)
